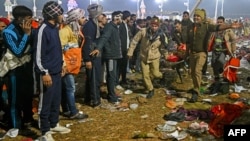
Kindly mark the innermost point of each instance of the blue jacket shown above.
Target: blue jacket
(15, 39)
(47, 49)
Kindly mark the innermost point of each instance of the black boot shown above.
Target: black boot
(194, 97)
(150, 94)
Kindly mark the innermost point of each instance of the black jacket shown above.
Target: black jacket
(124, 37)
(109, 42)
(89, 31)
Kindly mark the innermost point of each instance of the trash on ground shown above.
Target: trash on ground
(128, 92)
(144, 116)
(85, 120)
(144, 135)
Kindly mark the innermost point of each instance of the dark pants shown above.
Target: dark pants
(111, 67)
(21, 91)
(4, 100)
(93, 81)
(218, 62)
(122, 66)
(49, 105)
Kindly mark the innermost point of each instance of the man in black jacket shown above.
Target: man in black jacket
(110, 44)
(124, 36)
(92, 32)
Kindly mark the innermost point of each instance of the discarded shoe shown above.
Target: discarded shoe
(194, 98)
(127, 92)
(150, 94)
(177, 135)
(165, 128)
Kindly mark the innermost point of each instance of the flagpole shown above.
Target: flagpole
(222, 7)
(216, 9)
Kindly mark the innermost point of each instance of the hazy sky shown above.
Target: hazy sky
(231, 7)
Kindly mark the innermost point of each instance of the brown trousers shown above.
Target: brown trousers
(149, 71)
(197, 61)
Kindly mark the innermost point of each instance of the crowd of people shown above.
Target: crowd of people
(33, 61)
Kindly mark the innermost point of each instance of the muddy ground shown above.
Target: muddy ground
(107, 123)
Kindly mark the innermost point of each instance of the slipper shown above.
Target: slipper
(166, 128)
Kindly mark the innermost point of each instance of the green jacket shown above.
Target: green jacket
(197, 41)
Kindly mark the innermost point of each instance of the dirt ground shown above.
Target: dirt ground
(107, 123)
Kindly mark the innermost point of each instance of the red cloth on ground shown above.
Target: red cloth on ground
(224, 114)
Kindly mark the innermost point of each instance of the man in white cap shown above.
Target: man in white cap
(93, 64)
(71, 37)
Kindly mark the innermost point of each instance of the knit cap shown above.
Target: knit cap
(95, 10)
(201, 13)
(52, 10)
(74, 15)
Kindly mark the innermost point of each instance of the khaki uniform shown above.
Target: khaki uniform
(197, 49)
(149, 54)
(230, 39)
(223, 44)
